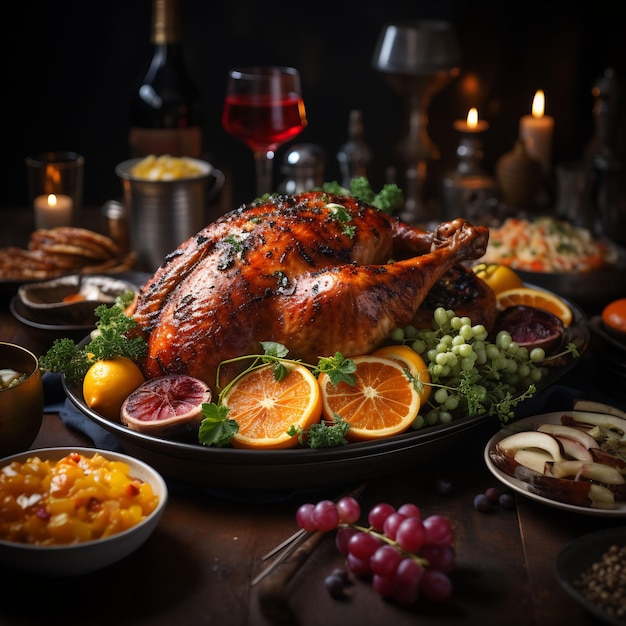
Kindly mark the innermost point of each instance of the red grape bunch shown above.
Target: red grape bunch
(406, 557)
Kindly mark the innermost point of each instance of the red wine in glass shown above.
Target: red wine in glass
(261, 122)
(263, 108)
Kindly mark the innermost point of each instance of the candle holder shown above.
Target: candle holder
(468, 191)
(55, 185)
(418, 59)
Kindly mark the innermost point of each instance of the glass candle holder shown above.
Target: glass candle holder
(55, 185)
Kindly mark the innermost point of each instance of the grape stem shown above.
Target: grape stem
(289, 545)
(382, 537)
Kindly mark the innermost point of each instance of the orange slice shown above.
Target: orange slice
(383, 402)
(528, 296)
(413, 362)
(266, 409)
(498, 277)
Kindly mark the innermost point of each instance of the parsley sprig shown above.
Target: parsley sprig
(216, 428)
(388, 199)
(107, 341)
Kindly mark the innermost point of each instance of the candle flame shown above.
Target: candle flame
(539, 104)
(472, 117)
(52, 200)
(53, 177)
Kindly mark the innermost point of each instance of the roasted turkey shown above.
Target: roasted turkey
(316, 272)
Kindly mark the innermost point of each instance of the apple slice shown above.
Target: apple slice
(580, 470)
(606, 458)
(528, 439)
(534, 459)
(604, 421)
(593, 406)
(575, 450)
(561, 430)
(574, 492)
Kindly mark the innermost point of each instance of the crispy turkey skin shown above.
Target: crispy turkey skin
(316, 272)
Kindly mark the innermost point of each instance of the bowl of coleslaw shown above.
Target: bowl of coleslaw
(561, 257)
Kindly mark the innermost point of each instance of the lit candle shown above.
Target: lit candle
(472, 124)
(53, 210)
(536, 132)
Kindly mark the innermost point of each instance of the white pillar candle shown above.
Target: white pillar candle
(53, 210)
(536, 132)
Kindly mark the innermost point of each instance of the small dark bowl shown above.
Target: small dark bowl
(21, 406)
(589, 290)
(581, 554)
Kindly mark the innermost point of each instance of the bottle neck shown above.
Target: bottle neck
(165, 22)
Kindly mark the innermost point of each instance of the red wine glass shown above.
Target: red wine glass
(264, 108)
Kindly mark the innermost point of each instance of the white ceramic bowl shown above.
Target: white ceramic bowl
(81, 558)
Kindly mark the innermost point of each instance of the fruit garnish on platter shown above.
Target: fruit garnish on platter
(498, 277)
(537, 298)
(271, 413)
(167, 406)
(107, 384)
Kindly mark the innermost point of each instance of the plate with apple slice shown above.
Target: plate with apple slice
(565, 460)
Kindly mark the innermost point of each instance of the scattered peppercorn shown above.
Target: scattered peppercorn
(604, 582)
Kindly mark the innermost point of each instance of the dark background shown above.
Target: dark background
(69, 67)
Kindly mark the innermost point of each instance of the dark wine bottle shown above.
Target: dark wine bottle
(165, 109)
(354, 156)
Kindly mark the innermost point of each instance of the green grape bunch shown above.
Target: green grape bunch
(471, 374)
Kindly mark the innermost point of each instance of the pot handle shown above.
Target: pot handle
(218, 182)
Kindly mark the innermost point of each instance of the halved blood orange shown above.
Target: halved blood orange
(413, 362)
(265, 409)
(383, 402)
(527, 296)
(169, 405)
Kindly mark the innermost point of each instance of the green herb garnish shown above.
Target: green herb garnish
(388, 199)
(322, 435)
(108, 340)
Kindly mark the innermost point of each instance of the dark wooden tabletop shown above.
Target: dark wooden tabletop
(198, 566)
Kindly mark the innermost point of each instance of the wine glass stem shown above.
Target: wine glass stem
(264, 163)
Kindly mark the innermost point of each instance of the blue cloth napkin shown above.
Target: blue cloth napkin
(55, 401)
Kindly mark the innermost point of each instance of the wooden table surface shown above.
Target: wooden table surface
(198, 565)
